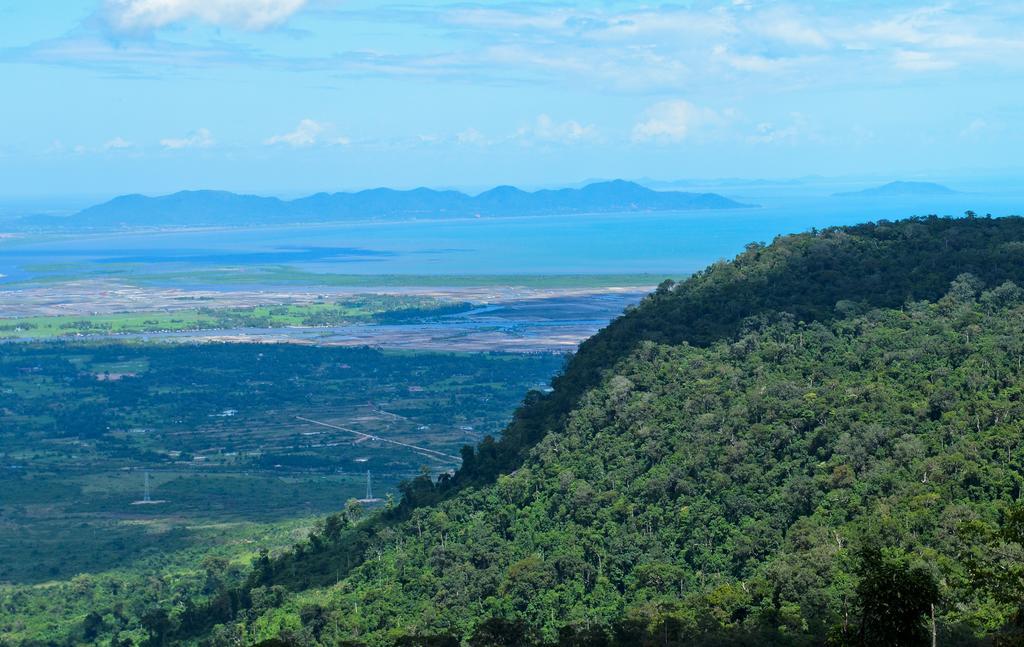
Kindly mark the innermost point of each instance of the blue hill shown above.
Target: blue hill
(898, 189)
(201, 208)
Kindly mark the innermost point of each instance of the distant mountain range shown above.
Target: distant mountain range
(201, 208)
(898, 189)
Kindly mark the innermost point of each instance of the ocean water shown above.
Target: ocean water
(667, 243)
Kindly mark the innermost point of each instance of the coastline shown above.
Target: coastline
(502, 319)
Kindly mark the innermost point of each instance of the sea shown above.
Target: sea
(668, 243)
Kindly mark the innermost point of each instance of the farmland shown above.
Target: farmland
(216, 427)
(363, 309)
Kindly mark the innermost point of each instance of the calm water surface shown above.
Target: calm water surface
(670, 243)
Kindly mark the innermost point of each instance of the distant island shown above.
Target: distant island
(206, 208)
(898, 189)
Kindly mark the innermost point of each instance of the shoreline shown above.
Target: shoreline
(84, 232)
(90, 297)
(505, 319)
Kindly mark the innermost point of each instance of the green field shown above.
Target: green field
(231, 469)
(215, 427)
(370, 308)
(284, 275)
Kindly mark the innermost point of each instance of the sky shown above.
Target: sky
(284, 97)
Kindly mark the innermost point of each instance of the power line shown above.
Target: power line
(378, 438)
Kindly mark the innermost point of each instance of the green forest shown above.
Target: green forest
(819, 442)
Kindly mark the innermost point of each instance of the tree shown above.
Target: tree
(995, 563)
(158, 623)
(353, 510)
(92, 626)
(499, 632)
(895, 598)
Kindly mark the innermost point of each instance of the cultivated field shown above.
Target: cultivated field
(217, 428)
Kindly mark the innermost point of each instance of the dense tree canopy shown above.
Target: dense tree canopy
(700, 494)
(818, 276)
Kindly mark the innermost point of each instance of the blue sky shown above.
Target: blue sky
(290, 96)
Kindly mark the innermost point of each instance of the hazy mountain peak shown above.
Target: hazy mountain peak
(213, 207)
(899, 188)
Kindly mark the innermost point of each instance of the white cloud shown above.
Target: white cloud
(793, 31)
(117, 143)
(471, 136)
(916, 61)
(306, 134)
(547, 129)
(674, 121)
(543, 129)
(940, 37)
(975, 128)
(505, 19)
(146, 15)
(677, 47)
(201, 138)
(309, 133)
(56, 146)
(668, 25)
(750, 62)
(768, 133)
(905, 27)
(672, 49)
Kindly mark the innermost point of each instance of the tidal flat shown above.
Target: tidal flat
(474, 318)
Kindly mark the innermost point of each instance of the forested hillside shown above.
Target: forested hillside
(817, 276)
(725, 494)
(819, 441)
(810, 286)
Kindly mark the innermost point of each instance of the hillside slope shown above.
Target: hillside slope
(828, 277)
(717, 494)
(817, 276)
